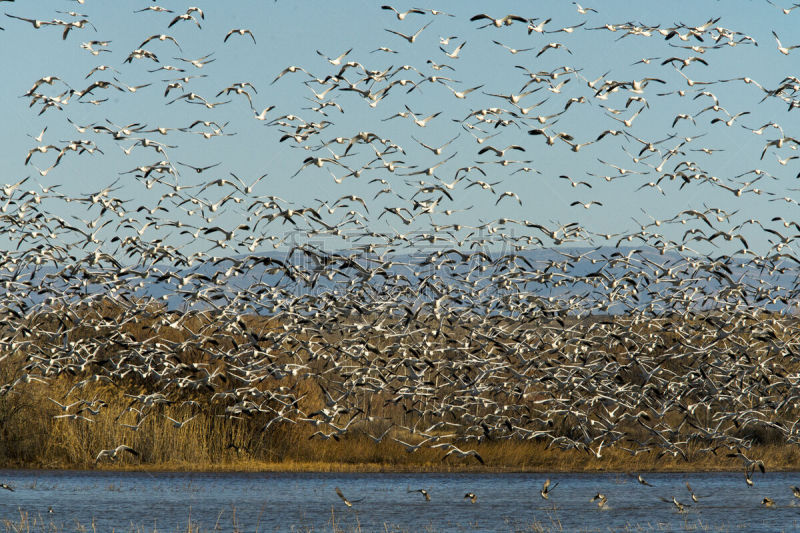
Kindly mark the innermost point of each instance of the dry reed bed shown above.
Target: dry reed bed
(226, 434)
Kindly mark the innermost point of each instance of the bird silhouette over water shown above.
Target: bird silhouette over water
(547, 489)
(347, 502)
(424, 493)
(601, 500)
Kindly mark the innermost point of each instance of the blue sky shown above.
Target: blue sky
(292, 33)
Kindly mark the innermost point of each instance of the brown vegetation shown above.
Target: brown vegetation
(286, 431)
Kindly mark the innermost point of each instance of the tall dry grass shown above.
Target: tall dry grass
(31, 435)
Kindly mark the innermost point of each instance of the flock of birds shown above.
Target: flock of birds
(600, 499)
(429, 327)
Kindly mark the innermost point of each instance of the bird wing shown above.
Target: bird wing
(339, 493)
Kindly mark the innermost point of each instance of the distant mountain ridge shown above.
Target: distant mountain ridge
(637, 277)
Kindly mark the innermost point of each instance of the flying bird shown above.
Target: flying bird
(547, 489)
(508, 20)
(601, 499)
(424, 493)
(239, 31)
(113, 454)
(784, 49)
(404, 14)
(347, 502)
(409, 38)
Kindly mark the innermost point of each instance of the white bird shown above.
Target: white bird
(454, 54)
(784, 49)
(508, 20)
(409, 38)
(36, 23)
(422, 122)
(336, 61)
(177, 424)
(462, 94)
(287, 70)
(404, 14)
(411, 448)
(513, 51)
(538, 28)
(63, 407)
(583, 10)
(161, 37)
(553, 46)
(186, 16)
(113, 454)
(452, 449)
(239, 31)
(585, 205)
(509, 194)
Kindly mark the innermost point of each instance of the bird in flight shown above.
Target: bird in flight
(114, 453)
(784, 49)
(680, 507)
(601, 499)
(410, 38)
(404, 14)
(239, 31)
(547, 489)
(424, 493)
(199, 170)
(345, 500)
(508, 20)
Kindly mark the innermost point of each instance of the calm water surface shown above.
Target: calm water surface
(115, 501)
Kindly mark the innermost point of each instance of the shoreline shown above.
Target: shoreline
(376, 468)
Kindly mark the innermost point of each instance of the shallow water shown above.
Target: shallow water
(308, 502)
